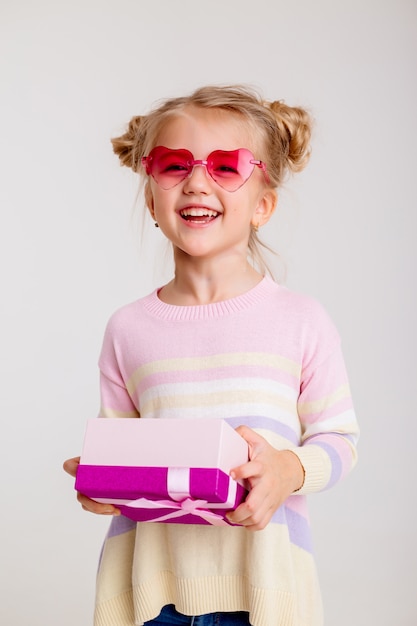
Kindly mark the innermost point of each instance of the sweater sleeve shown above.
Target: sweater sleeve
(328, 422)
(116, 400)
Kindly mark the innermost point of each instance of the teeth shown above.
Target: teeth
(194, 212)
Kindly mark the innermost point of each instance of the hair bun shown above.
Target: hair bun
(126, 147)
(295, 124)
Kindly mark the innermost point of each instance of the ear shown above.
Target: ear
(265, 208)
(149, 200)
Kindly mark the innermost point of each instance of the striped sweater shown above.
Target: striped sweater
(269, 359)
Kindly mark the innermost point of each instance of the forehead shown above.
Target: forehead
(204, 130)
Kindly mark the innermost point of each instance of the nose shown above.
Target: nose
(198, 181)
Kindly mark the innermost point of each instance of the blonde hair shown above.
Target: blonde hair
(284, 132)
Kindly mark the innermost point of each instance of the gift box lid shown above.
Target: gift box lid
(159, 442)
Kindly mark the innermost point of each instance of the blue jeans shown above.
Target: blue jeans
(170, 616)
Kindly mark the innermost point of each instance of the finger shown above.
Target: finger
(255, 441)
(109, 510)
(249, 470)
(249, 435)
(250, 519)
(99, 508)
(70, 466)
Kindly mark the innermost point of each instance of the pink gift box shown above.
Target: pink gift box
(163, 470)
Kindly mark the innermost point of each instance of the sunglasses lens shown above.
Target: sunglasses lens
(169, 167)
(230, 169)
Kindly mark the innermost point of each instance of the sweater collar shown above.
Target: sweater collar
(257, 294)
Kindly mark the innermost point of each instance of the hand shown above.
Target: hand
(70, 466)
(272, 474)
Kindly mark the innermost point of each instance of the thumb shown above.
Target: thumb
(254, 441)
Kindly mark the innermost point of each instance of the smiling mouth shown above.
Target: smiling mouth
(199, 215)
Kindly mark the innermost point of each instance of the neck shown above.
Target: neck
(205, 281)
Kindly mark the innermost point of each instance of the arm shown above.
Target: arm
(115, 402)
(326, 452)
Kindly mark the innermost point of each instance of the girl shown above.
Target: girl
(222, 339)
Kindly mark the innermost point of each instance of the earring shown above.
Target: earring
(255, 227)
(156, 225)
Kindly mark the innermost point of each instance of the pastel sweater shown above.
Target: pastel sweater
(270, 359)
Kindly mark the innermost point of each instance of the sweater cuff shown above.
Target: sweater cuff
(317, 468)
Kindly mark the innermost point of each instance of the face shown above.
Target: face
(197, 215)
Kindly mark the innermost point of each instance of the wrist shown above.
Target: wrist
(296, 469)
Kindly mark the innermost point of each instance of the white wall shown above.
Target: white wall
(72, 74)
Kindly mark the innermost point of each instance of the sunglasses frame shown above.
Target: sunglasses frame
(190, 163)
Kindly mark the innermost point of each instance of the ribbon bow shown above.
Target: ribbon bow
(187, 506)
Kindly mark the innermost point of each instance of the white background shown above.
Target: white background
(72, 75)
